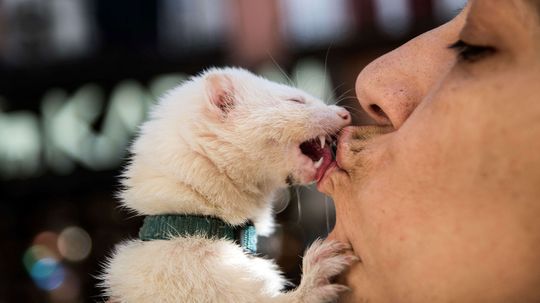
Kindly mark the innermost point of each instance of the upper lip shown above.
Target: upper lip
(356, 138)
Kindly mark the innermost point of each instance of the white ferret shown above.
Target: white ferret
(207, 163)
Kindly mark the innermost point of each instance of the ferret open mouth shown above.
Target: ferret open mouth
(319, 150)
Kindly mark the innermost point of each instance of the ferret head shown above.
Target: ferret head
(283, 131)
(228, 125)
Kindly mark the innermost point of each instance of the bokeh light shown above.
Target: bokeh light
(48, 273)
(43, 261)
(43, 267)
(74, 243)
(48, 240)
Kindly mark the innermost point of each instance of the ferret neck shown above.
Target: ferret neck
(166, 227)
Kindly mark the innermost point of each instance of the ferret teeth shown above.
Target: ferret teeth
(318, 163)
(323, 140)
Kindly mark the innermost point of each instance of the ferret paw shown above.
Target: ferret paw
(322, 261)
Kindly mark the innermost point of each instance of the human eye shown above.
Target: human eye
(471, 53)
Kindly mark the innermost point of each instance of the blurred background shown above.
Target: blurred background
(78, 76)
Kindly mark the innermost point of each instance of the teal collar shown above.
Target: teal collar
(165, 227)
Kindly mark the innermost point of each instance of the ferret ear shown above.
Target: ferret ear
(221, 92)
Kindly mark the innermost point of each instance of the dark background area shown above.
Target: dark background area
(77, 77)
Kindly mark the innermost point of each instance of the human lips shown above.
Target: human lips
(350, 143)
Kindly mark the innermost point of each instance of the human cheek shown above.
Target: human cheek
(448, 210)
(409, 207)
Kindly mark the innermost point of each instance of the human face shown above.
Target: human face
(443, 205)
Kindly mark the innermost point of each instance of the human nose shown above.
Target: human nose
(385, 93)
(391, 87)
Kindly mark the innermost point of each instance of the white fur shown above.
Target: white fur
(195, 157)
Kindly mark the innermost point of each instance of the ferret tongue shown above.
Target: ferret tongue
(327, 160)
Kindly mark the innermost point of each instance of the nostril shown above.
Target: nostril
(377, 110)
(344, 115)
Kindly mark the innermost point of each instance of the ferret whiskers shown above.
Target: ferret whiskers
(326, 206)
(298, 205)
(281, 70)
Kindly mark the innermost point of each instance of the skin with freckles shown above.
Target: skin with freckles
(441, 200)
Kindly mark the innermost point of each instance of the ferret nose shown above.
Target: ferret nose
(344, 114)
